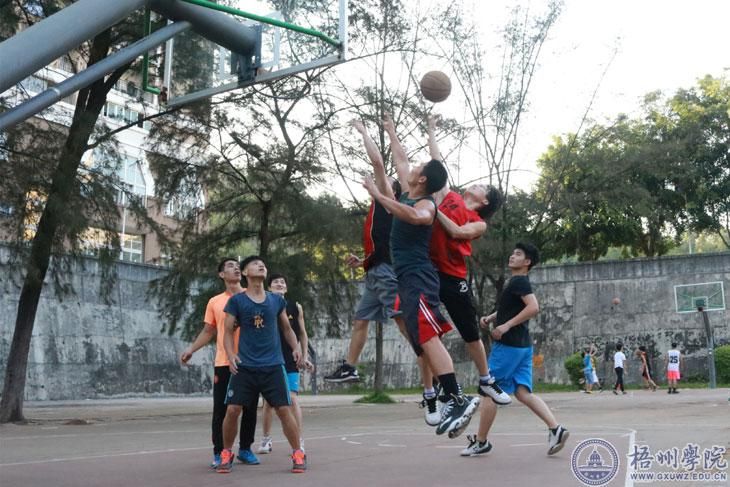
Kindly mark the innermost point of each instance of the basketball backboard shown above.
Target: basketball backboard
(196, 68)
(709, 296)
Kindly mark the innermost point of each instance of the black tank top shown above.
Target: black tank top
(410, 244)
(292, 312)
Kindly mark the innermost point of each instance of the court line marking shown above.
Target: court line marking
(109, 455)
(95, 434)
(629, 482)
(327, 437)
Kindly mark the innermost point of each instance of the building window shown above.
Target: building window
(132, 178)
(125, 115)
(132, 248)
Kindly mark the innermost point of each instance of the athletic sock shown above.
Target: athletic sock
(485, 378)
(449, 384)
(429, 393)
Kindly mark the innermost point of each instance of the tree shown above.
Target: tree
(696, 122)
(496, 101)
(258, 157)
(55, 197)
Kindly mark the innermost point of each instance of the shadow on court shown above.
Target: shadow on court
(165, 442)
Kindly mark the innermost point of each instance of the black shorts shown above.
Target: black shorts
(454, 292)
(245, 386)
(419, 302)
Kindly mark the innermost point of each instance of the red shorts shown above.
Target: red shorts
(672, 374)
(419, 304)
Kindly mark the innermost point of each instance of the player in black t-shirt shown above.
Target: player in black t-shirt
(278, 285)
(510, 360)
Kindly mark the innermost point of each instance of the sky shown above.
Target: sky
(620, 49)
(658, 45)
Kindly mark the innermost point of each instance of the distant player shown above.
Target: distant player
(619, 366)
(295, 313)
(587, 372)
(673, 362)
(230, 272)
(256, 361)
(646, 374)
(510, 360)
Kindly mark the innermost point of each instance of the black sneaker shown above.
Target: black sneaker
(433, 417)
(456, 414)
(557, 439)
(490, 388)
(344, 373)
(476, 447)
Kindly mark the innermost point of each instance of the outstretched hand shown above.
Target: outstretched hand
(353, 261)
(358, 125)
(432, 120)
(370, 186)
(388, 124)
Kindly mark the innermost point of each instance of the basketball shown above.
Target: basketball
(616, 301)
(435, 86)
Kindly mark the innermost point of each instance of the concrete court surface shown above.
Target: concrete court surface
(165, 442)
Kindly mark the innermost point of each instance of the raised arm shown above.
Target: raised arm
(422, 213)
(376, 159)
(433, 146)
(400, 158)
(467, 231)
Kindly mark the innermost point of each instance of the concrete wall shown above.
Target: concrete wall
(85, 348)
(577, 309)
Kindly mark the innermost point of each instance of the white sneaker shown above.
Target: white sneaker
(557, 439)
(491, 389)
(433, 415)
(476, 447)
(265, 446)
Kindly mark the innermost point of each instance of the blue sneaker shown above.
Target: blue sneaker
(216, 461)
(247, 457)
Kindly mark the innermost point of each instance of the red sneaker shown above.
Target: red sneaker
(299, 461)
(226, 462)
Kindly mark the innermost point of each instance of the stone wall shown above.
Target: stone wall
(85, 348)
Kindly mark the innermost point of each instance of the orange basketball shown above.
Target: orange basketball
(435, 86)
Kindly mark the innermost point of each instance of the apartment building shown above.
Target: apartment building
(126, 103)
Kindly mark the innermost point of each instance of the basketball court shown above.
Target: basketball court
(165, 442)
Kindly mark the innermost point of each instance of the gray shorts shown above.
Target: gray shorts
(378, 300)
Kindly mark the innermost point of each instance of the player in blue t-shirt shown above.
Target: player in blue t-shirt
(257, 363)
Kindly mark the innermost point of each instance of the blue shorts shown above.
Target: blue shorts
(292, 378)
(588, 375)
(511, 367)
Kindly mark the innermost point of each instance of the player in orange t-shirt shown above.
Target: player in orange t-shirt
(229, 271)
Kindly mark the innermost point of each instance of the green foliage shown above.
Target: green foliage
(722, 363)
(574, 365)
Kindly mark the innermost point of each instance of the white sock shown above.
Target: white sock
(429, 393)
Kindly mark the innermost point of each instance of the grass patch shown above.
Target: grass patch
(376, 398)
